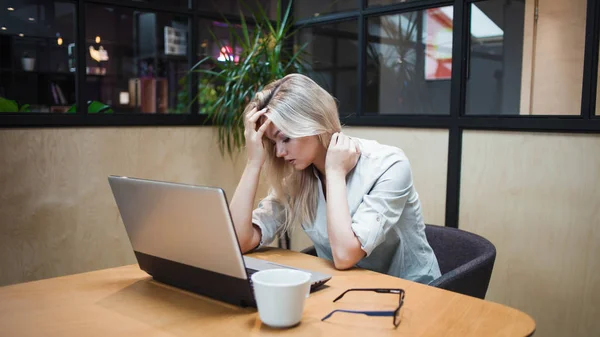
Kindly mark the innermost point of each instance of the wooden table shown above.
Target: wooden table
(125, 301)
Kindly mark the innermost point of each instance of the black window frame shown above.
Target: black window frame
(586, 121)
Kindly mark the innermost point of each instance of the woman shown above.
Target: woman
(354, 198)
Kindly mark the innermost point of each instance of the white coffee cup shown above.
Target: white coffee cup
(280, 295)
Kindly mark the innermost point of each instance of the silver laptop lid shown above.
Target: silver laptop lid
(182, 223)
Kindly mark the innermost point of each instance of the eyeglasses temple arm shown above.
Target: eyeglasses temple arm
(368, 313)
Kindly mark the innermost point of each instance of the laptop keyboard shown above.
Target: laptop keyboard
(250, 272)
(313, 285)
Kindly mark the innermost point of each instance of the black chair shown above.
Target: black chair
(466, 260)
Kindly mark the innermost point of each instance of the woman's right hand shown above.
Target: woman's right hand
(254, 144)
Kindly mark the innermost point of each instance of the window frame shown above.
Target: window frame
(586, 121)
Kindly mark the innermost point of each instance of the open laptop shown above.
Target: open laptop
(183, 235)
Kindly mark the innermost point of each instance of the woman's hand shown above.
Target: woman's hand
(254, 145)
(342, 155)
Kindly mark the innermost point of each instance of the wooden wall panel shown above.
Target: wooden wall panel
(598, 94)
(553, 57)
(427, 151)
(57, 213)
(537, 198)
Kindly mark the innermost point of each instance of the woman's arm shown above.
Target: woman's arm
(345, 246)
(241, 208)
(243, 199)
(342, 156)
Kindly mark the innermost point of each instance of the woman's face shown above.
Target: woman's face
(298, 152)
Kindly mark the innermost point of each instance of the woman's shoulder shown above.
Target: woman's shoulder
(377, 160)
(376, 151)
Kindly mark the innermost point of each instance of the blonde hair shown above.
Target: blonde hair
(298, 107)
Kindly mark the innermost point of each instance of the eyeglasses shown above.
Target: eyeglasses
(395, 314)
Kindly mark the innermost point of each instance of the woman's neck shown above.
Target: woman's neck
(319, 163)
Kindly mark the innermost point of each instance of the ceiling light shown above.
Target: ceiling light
(31, 19)
(21, 34)
(10, 9)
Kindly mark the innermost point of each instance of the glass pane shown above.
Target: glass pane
(496, 58)
(136, 60)
(553, 51)
(332, 52)
(373, 3)
(233, 7)
(207, 45)
(225, 48)
(312, 8)
(172, 3)
(409, 58)
(37, 56)
(598, 91)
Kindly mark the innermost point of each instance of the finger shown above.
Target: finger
(261, 131)
(247, 117)
(257, 115)
(354, 146)
(344, 141)
(252, 120)
(333, 140)
(251, 112)
(341, 141)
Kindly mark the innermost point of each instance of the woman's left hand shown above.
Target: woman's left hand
(342, 155)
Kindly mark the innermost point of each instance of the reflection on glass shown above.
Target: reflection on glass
(598, 91)
(37, 56)
(225, 47)
(136, 61)
(385, 2)
(216, 42)
(409, 58)
(495, 58)
(173, 3)
(332, 53)
(233, 7)
(312, 8)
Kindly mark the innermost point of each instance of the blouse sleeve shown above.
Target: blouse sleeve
(269, 216)
(382, 207)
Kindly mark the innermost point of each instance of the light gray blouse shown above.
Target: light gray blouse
(386, 216)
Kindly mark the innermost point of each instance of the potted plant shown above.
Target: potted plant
(228, 83)
(7, 105)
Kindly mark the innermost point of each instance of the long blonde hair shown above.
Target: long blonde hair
(298, 107)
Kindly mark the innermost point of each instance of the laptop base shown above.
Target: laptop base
(200, 281)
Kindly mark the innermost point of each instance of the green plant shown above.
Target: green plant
(207, 95)
(93, 107)
(183, 99)
(264, 56)
(7, 105)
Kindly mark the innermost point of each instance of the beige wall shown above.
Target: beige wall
(57, 213)
(427, 151)
(59, 217)
(553, 51)
(537, 198)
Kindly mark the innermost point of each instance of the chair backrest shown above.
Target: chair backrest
(466, 260)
